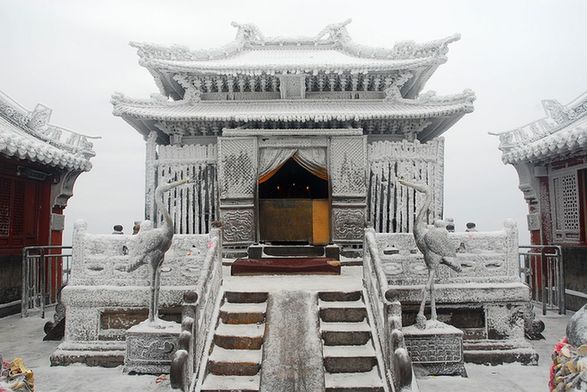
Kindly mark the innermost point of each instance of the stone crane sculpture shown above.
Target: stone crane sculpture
(434, 244)
(149, 247)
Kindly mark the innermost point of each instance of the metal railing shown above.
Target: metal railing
(45, 269)
(542, 269)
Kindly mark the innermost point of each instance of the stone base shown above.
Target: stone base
(436, 350)
(150, 347)
(104, 354)
(488, 352)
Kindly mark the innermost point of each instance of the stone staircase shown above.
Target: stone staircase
(351, 363)
(236, 354)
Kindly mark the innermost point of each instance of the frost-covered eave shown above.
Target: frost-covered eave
(553, 147)
(21, 147)
(231, 69)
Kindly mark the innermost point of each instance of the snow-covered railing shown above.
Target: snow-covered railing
(387, 313)
(485, 257)
(197, 316)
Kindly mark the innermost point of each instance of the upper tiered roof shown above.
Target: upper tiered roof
(325, 81)
(27, 135)
(331, 51)
(562, 133)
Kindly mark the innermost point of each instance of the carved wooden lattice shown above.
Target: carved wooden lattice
(192, 206)
(565, 204)
(391, 207)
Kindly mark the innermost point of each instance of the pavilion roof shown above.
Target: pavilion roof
(562, 133)
(27, 135)
(332, 51)
(302, 110)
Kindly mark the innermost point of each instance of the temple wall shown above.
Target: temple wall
(390, 207)
(193, 207)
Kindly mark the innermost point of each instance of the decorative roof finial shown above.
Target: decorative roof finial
(336, 32)
(248, 32)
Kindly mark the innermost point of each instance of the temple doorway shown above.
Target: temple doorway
(294, 202)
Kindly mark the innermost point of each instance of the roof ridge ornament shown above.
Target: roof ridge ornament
(336, 33)
(248, 33)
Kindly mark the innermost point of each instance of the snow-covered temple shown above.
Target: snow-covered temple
(294, 148)
(550, 157)
(39, 164)
(243, 117)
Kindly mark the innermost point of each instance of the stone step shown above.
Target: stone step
(214, 383)
(340, 295)
(345, 333)
(223, 362)
(354, 382)
(239, 336)
(345, 359)
(243, 313)
(341, 311)
(245, 297)
(487, 352)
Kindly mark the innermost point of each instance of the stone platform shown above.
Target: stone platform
(436, 350)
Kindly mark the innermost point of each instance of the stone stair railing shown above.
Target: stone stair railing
(198, 316)
(387, 313)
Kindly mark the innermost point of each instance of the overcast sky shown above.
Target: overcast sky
(72, 55)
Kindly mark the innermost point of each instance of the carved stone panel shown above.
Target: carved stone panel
(348, 164)
(238, 225)
(237, 172)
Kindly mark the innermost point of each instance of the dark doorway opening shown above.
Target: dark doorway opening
(292, 181)
(294, 207)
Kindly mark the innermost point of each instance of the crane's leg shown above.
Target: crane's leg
(157, 278)
(152, 300)
(433, 315)
(420, 318)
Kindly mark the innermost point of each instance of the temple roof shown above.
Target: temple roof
(562, 133)
(332, 51)
(27, 135)
(303, 110)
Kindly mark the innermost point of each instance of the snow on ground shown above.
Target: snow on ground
(23, 337)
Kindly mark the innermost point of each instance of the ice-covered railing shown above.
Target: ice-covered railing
(485, 257)
(387, 312)
(101, 259)
(197, 316)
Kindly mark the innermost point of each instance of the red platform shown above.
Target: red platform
(291, 265)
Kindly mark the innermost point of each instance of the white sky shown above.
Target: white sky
(72, 55)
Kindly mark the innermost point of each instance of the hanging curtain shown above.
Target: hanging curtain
(311, 159)
(271, 161)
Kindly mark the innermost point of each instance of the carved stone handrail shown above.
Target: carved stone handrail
(387, 313)
(197, 316)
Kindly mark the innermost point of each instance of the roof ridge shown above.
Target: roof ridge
(333, 36)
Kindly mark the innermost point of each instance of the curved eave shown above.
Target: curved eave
(18, 145)
(422, 70)
(552, 147)
(142, 114)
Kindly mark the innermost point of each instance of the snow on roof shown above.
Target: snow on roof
(27, 135)
(269, 59)
(294, 110)
(331, 49)
(561, 133)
